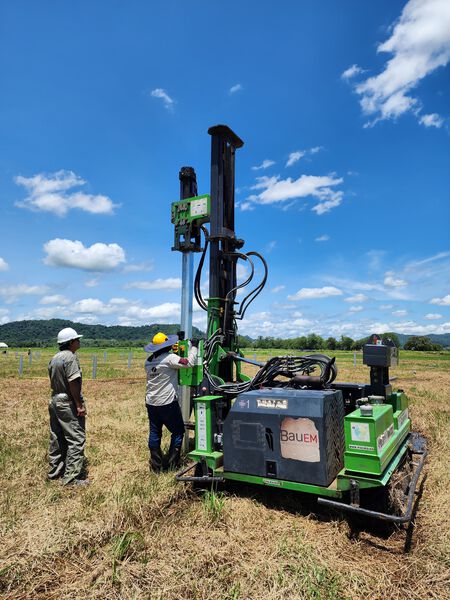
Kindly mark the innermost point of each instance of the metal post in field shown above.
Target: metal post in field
(188, 189)
(105, 356)
(94, 366)
(130, 358)
(20, 365)
(30, 358)
(354, 359)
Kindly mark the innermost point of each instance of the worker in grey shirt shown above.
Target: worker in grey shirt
(161, 400)
(67, 412)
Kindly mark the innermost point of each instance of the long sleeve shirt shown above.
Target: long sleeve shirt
(162, 376)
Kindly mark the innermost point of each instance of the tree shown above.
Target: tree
(421, 343)
(392, 336)
(346, 343)
(314, 342)
(331, 343)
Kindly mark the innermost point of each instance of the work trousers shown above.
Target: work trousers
(67, 440)
(170, 416)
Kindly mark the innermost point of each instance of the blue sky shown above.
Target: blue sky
(343, 181)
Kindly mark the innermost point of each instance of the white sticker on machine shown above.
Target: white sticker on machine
(360, 432)
(201, 425)
(383, 439)
(299, 440)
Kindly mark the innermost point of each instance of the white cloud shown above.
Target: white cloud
(324, 207)
(73, 254)
(356, 298)
(445, 301)
(171, 283)
(416, 264)
(351, 72)
(385, 306)
(167, 310)
(308, 293)
(350, 284)
(295, 157)
(411, 327)
(400, 313)
(355, 309)
(54, 299)
(277, 288)
(94, 282)
(319, 187)
(164, 96)
(431, 120)
(270, 246)
(94, 306)
(148, 265)
(11, 293)
(419, 44)
(119, 301)
(242, 271)
(235, 88)
(433, 316)
(50, 193)
(264, 165)
(391, 281)
(246, 206)
(4, 316)
(3, 265)
(322, 238)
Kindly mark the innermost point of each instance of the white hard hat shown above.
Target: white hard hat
(67, 335)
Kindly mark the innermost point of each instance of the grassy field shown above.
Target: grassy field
(132, 534)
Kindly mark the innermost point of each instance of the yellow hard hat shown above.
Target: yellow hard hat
(161, 340)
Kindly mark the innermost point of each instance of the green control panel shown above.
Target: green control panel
(187, 216)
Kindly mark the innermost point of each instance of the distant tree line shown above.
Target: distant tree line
(316, 342)
(42, 333)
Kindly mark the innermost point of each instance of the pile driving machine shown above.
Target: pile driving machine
(291, 426)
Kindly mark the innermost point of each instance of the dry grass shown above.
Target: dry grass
(135, 535)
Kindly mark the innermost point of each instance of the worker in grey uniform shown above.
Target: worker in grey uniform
(161, 399)
(67, 412)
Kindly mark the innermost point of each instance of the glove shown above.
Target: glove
(195, 342)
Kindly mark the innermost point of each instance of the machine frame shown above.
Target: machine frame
(377, 428)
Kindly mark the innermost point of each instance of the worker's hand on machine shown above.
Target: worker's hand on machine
(195, 342)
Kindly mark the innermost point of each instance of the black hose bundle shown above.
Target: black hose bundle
(296, 369)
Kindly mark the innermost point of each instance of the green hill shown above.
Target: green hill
(40, 333)
(43, 333)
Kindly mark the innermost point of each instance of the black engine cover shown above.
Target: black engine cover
(283, 433)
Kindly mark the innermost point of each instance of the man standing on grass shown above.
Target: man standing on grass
(67, 413)
(163, 408)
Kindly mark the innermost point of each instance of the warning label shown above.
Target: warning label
(360, 432)
(299, 440)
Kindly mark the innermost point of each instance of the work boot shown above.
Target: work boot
(174, 458)
(155, 462)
